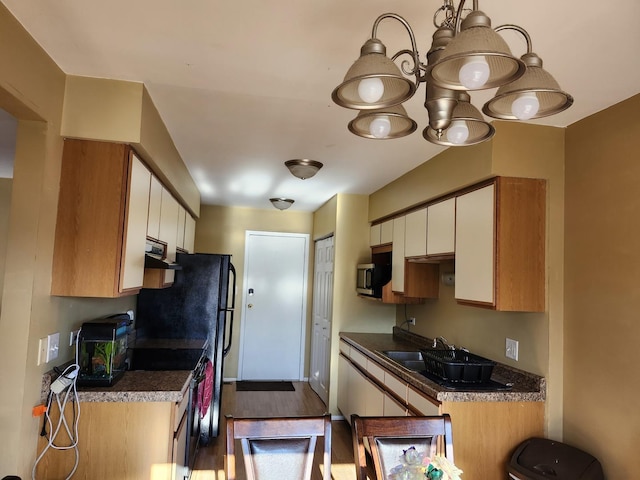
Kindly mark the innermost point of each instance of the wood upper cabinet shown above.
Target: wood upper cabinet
(500, 245)
(182, 214)
(441, 228)
(167, 234)
(189, 233)
(101, 221)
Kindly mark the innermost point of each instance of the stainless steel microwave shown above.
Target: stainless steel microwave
(371, 277)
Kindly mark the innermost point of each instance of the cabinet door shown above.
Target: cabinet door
(415, 234)
(441, 227)
(475, 245)
(132, 270)
(180, 462)
(169, 229)
(386, 232)
(189, 233)
(155, 199)
(397, 255)
(181, 224)
(343, 387)
(392, 408)
(422, 405)
(374, 235)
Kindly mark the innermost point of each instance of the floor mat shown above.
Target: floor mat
(254, 386)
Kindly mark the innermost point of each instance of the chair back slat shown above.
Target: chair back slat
(278, 448)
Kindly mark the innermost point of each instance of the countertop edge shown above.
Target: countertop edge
(527, 387)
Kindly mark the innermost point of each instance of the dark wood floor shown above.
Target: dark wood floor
(304, 401)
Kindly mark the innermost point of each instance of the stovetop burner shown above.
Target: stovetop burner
(160, 354)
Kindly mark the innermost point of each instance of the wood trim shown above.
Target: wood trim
(117, 440)
(488, 432)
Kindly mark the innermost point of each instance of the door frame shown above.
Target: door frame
(305, 286)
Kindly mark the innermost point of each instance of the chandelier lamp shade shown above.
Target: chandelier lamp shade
(466, 54)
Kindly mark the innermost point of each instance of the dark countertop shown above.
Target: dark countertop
(141, 386)
(527, 387)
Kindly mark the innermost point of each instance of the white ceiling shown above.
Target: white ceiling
(245, 85)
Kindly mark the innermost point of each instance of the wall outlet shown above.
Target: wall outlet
(73, 337)
(411, 320)
(511, 349)
(449, 279)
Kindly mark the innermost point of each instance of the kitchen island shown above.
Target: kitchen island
(135, 429)
(487, 425)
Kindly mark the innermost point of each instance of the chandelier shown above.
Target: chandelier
(466, 54)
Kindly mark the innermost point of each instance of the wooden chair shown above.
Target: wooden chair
(278, 448)
(379, 442)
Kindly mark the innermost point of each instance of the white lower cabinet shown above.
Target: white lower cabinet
(367, 389)
(422, 405)
(393, 408)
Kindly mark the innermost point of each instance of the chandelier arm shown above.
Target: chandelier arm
(414, 49)
(519, 29)
(450, 15)
(459, 14)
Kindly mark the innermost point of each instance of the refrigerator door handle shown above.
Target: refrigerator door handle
(230, 310)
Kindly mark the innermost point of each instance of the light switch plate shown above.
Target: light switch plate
(53, 346)
(511, 349)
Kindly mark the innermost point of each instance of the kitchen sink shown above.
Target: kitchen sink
(402, 356)
(411, 360)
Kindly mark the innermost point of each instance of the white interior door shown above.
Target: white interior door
(274, 306)
(322, 311)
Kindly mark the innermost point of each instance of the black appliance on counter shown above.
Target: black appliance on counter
(187, 324)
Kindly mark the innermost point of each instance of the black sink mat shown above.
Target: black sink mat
(490, 386)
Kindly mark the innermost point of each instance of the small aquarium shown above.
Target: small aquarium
(102, 351)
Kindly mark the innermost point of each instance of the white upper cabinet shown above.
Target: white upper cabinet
(136, 224)
(381, 233)
(475, 226)
(415, 234)
(397, 255)
(441, 227)
(155, 197)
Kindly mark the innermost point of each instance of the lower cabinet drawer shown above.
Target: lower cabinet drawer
(421, 404)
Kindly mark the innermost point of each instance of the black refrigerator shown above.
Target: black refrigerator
(197, 308)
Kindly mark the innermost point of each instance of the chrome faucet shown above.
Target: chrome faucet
(443, 342)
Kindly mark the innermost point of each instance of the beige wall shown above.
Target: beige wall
(516, 150)
(222, 230)
(351, 246)
(119, 111)
(32, 89)
(602, 296)
(5, 205)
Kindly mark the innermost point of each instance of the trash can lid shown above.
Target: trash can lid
(542, 458)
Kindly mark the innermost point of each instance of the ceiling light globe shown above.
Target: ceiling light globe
(380, 126)
(525, 106)
(458, 132)
(474, 73)
(370, 90)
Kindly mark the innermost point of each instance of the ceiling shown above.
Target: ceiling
(243, 86)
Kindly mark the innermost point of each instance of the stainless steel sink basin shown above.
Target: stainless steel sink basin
(411, 360)
(402, 356)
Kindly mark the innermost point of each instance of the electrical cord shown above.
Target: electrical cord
(66, 388)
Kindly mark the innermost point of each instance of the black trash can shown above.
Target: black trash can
(544, 459)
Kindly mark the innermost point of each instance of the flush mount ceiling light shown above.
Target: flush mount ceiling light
(466, 54)
(281, 203)
(303, 168)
